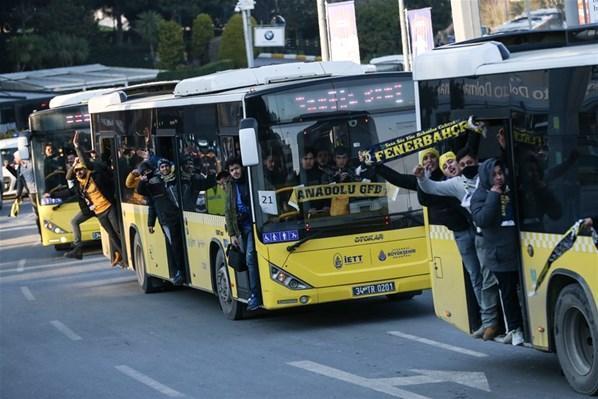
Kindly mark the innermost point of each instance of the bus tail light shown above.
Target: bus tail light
(53, 228)
(287, 279)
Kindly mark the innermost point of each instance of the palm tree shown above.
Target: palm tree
(147, 26)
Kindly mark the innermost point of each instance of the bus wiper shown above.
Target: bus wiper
(307, 237)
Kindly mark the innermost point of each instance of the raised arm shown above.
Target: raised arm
(448, 188)
(83, 160)
(395, 178)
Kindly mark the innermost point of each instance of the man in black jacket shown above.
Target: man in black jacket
(161, 190)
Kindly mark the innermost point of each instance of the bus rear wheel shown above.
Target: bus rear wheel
(147, 283)
(232, 309)
(576, 338)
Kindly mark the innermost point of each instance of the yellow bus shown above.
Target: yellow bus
(376, 247)
(51, 152)
(538, 90)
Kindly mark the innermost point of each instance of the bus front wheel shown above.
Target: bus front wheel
(232, 309)
(147, 283)
(576, 339)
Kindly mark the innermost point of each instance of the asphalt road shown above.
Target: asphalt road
(79, 329)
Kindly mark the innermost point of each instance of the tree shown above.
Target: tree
(171, 48)
(66, 16)
(26, 51)
(147, 26)
(65, 50)
(232, 45)
(201, 34)
(378, 28)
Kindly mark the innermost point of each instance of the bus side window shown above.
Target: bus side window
(198, 157)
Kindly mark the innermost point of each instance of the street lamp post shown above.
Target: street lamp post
(245, 7)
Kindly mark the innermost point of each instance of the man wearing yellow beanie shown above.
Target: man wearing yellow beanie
(428, 158)
(449, 165)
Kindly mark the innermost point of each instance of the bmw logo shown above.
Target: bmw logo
(269, 35)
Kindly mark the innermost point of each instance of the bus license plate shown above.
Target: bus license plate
(370, 289)
(96, 235)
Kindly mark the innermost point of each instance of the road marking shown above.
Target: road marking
(437, 344)
(27, 293)
(21, 227)
(474, 379)
(150, 382)
(65, 330)
(356, 380)
(21, 265)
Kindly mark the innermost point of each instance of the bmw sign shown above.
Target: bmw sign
(269, 36)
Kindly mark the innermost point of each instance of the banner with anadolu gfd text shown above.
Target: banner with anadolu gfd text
(350, 190)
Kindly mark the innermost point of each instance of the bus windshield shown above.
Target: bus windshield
(310, 172)
(51, 145)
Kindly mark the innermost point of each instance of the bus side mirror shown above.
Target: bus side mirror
(23, 147)
(248, 142)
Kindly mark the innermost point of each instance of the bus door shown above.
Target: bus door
(448, 272)
(106, 148)
(170, 237)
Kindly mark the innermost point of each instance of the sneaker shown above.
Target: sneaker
(117, 258)
(490, 333)
(177, 280)
(74, 253)
(517, 337)
(505, 338)
(252, 303)
(479, 333)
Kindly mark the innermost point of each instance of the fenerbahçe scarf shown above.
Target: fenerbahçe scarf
(411, 143)
(565, 244)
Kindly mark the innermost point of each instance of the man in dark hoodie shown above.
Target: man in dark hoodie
(493, 212)
(161, 191)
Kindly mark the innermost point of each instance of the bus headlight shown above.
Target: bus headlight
(53, 228)
(287, 279)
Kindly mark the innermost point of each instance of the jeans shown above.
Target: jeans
(174, 246)
(489, 303)
(251, 260)
(465, 240)
(507, 284)
(33, 197)
(76, 226)
(109, 222)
